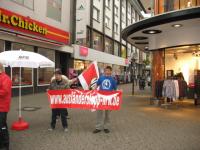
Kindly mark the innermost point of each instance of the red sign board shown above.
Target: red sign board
(83, 51)
(27, 26)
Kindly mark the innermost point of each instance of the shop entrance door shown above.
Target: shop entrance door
(62, 62)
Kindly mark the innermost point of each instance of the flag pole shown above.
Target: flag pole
(20, 93)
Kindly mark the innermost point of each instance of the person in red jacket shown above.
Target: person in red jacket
(5, 99)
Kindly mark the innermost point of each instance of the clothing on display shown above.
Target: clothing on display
(182, 88)
(171, 89)
(197, 87)
(197, 83)
(158, 88)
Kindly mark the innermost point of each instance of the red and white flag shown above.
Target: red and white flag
(89, 75)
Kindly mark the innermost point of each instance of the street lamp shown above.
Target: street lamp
(133, 63)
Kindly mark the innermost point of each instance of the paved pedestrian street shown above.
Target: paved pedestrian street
(137, 126)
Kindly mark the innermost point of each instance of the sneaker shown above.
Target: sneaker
(106, 131)
(66, 130)
(96, 131)
(50, 129)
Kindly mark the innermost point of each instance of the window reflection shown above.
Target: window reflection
(171, 5)
(26, 76)
(98, 41)
(26, 73)
(45, 74)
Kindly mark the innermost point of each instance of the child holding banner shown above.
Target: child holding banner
(106, 83)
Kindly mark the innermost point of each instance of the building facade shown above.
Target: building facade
(38, 26)
(71, 33)
(172, 38)
(98, 26)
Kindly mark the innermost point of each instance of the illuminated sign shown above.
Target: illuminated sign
(30, 27)
(83, 51)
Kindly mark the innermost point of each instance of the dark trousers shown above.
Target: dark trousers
(4, 135)
(56, 112)
(66, 113)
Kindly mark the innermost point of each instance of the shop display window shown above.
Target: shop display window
(26, 73)
(116, 49)
(102, 66)
(123, 52)
(45, 74)
(26, 76)
(183, 60)
(108, 46)
(97, 41)
(80, 65)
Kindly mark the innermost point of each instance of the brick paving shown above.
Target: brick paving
(137, 126)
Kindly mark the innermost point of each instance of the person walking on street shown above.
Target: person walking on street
(5, 100)
(59, 83)
(106, 83)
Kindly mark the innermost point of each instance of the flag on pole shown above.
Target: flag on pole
(89, 75)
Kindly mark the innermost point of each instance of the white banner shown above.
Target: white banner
(81, 16)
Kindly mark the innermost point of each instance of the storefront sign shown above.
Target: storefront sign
(126, 61)
(81, 19)
(85, 99)
(26, 25)
(83, 51)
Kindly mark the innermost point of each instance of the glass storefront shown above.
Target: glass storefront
(80, 65)
(108, 46)
(102, 66)
(97, 41)
(117, 71)
(123, 52)
(116, 49)
(26, 73)
(162, 6)
(183, 60)
(45, 74)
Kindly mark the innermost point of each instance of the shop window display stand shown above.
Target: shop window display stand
(197, 87)
(167, 103)
(171, 104)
